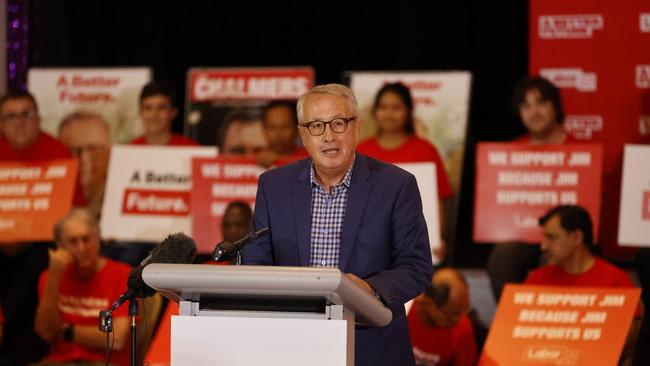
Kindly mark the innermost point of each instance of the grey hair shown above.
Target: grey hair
(80, 213)
(332, 89)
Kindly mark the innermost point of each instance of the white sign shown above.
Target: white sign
(148, 192)
(112, 92)
(425, 175)
(634, 216)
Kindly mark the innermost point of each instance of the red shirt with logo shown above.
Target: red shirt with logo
(80, 303)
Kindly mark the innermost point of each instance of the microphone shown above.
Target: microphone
(226, 250)
(176, 248)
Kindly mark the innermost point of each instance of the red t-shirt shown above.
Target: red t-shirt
(80, 303)
(433, 346)
(414, 150)
(601, 274)
(526, 139)
(175, 140)
(45, 148)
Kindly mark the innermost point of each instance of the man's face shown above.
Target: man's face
(234, 225)
(19, 123)
(558, 244)
(280, 129)
(331, 152)
(539, 116)
(157, 114)
(89, 140)
(78, 238)
(244, 138)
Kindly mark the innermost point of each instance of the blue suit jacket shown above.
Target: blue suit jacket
(384, 241)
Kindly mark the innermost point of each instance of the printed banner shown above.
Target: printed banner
(219, 97)
(148, 192)
(567, 326)
(634, 219)
(596, 52)
(33, 197)
(112, 92)
(216, 183)
(517, 183)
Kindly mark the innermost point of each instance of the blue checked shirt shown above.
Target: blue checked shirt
(327, 211)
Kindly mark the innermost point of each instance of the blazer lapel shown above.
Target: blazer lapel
(358, 195)
(302, 211)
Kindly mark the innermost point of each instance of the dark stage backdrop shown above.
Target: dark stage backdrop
(490, 39)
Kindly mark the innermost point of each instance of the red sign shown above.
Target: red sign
(215, 183)
(517, 183)
(249, 84)
(156, 202)
(569, 326)
(33, 197)
(597, 53)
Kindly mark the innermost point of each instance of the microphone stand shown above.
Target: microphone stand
(133, 312)
(106, 321)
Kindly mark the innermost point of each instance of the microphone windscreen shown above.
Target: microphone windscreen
(176, 248)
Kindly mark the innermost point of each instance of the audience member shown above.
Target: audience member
(281, 131)
(538, 103)
(21, 139)
(76, 286)
(88, 137)
(241, 132)
(568, 244)
(396, 141)
(441, 332)
(157, 112)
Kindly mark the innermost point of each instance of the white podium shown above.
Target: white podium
(263, 315)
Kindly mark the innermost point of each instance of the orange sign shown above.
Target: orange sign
(566, 326)
(33, 196)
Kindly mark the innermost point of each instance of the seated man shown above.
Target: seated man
(157, 111)
(281, 131)
(568, 243)
(76, 286)
(440, 330)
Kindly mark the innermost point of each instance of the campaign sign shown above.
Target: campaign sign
(517, 183)
(567, 326)
(148, 192)
(33, 197)
(634, 215)
(216, 183)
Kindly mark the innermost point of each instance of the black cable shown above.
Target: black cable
(108, 350)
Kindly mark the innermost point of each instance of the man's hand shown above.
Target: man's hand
(361, 283)
(59, 259)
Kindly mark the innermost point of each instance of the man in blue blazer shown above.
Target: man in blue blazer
(344, 210)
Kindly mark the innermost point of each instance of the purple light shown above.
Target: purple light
(15, 23)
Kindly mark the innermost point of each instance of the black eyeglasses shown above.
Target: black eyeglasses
(317, 128)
